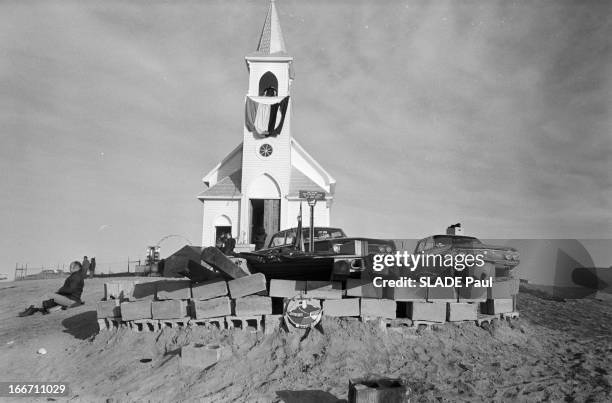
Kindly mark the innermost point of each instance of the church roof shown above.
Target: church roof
(227, 188)
(271, 41)
(299, 181)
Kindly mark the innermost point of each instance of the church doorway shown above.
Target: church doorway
(265, 220)
(221, 230)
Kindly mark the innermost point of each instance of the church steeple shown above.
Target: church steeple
(271, 41)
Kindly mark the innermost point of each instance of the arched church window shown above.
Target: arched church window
(268, 85)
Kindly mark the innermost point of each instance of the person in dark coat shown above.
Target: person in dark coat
(92, 267)
(85, 265)
(229, 244)
(68, 295)
(260, 238)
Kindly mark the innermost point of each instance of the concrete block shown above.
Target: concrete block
(212, 308)
(458, 311)
(472, 294)
(200, 356)
(108, 309)
(324, 289)
(255, 323)
(441, 294)
(240, 262)
(136, 310)
(253, 305)
(214, 257)
(287, 288)
(497, 306)
(119, 289)
(406, 294)
(341, 307)
(209, 290)
(373, 388)
(169, 309)
(173, 289)
(144, 325)
(210, 323)
(378, 308)
(428, 311)
(503, 289)
(272, 323)
(247, 285)
(144, 290)
(362, 288)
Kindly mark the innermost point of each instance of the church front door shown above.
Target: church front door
(265, 220)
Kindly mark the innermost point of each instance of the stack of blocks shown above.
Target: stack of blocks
(246, 303)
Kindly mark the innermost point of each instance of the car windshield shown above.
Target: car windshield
(447, 240)
(323, 233)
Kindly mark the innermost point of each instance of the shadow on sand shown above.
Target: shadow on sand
(81, 326)
(308, 396)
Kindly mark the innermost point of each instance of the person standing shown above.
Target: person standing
(92, 267)
(229, 244)
(260, 238)
(85, 266)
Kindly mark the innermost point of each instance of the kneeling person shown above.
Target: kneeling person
(67, 296)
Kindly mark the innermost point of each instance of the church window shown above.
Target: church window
(268, 85)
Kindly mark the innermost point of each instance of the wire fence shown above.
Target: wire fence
(25, 271)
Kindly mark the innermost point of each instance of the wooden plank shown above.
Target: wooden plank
(209, 290)
(248, 285)
(214, 257)
(119, 289)
(199, 273)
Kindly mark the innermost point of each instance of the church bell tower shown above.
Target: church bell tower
(254, 191)
(266, 152)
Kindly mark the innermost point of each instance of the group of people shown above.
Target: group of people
(89, 266)
(226, 244)
(69, 295)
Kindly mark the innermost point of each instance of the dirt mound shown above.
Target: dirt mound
(555, 351)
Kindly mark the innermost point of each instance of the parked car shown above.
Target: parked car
(503, 258)
(3, 276)
(335, 255)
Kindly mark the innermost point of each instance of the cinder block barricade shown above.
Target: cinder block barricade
(236, 299)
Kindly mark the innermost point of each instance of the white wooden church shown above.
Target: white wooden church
(256, 185)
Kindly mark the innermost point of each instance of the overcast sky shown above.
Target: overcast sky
(495, 114)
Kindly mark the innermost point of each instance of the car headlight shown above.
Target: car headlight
(336, 248)
(507, 256)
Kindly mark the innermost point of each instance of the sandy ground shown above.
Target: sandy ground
(556, 351)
